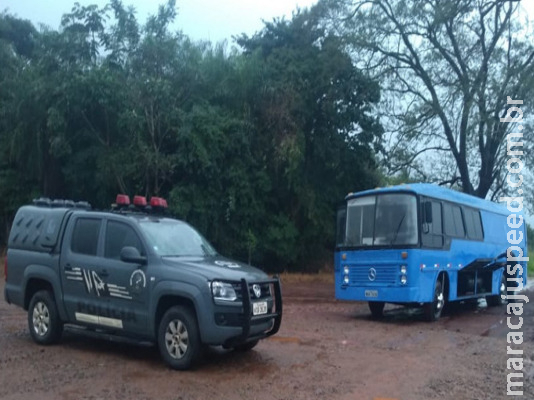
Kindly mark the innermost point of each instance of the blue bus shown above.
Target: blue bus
(422, 245)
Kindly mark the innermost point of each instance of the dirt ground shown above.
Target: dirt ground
(326, 349)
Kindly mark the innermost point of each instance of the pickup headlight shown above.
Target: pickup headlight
(223, 291)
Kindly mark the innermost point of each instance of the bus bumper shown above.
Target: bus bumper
(388, 294)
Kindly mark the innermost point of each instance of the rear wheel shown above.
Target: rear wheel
(377, 308)
(500, 299)
(43, 318)
(178, 338)
(433, 309)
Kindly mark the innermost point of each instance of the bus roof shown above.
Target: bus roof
(438, 192)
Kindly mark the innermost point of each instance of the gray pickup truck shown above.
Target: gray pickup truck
(135, 273)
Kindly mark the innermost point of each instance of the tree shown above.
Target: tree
(254, 148)
(311, 108)
(447, 68)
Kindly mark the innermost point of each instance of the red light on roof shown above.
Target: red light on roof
(139, 201)
(123, 200)
(158, 202)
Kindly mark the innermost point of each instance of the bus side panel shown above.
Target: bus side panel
(497, 234)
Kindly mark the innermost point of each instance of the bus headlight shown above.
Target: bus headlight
(346, 270)
(403, 279)
(403, 270)
(346, 279)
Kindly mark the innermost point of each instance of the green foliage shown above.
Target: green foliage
(253, 148)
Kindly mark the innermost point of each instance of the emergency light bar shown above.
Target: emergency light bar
(158, 202)
(122, 200)
(139, 201)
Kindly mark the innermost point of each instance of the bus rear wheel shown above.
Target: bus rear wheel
(377, 308)
(433, 309)
(500, 299)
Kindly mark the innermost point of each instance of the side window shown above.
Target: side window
(473, 224)
(433, 231)
(453, 222)
(436, 218)
(119, 235)
(458, 221)
(85, 236)
(340, 225)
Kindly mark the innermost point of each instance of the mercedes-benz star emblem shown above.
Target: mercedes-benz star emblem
(372, 274)
(257, 290)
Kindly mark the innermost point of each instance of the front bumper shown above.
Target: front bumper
(242, 325)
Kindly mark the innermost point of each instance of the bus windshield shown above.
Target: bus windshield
(383, 220)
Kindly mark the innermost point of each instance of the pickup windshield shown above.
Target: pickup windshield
(383, 220)
(171, 238)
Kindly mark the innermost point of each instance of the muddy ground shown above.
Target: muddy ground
(326, 349)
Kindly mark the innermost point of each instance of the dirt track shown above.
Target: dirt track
(324, 350)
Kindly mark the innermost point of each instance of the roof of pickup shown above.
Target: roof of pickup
(37, 227)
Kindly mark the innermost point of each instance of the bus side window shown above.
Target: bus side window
(473, 224)
(432, 224)
(453, 221)
(341, 223)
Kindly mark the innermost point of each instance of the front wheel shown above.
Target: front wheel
(433, 310)
(178, 338)
(43, 318)
(502, 298)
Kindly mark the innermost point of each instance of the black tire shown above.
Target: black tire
(178, 338)
(377, 309)
(500, 299)
(432, 310)
(43, 318)
(246, 346)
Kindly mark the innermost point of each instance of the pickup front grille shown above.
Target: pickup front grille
(265, 291)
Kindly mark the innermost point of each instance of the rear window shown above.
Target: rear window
(85, 236)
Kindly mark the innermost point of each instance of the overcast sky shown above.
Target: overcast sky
(214, 20)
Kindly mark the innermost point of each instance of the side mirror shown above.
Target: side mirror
(130, 254)
(427, 205)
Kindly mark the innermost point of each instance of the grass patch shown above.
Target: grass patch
(299, 277)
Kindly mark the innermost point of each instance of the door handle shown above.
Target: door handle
(103, 272)
(68, 267)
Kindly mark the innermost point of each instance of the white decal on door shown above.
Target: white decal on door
(94, 284)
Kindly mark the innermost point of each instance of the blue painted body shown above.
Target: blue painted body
(425, 265)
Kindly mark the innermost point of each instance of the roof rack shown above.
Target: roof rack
(60, 203)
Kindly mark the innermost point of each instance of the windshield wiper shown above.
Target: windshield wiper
(398, 229)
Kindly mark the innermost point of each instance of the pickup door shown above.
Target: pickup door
(98, 288)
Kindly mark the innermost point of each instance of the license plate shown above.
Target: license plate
(371, 293)
(259, 308)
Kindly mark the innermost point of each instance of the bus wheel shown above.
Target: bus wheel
(500, 299)
(433, 310)
(377, 308)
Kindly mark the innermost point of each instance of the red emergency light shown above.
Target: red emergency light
(122, 200)
(158, 202)
(139, 201)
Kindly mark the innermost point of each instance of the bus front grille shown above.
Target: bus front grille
(379, 274)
